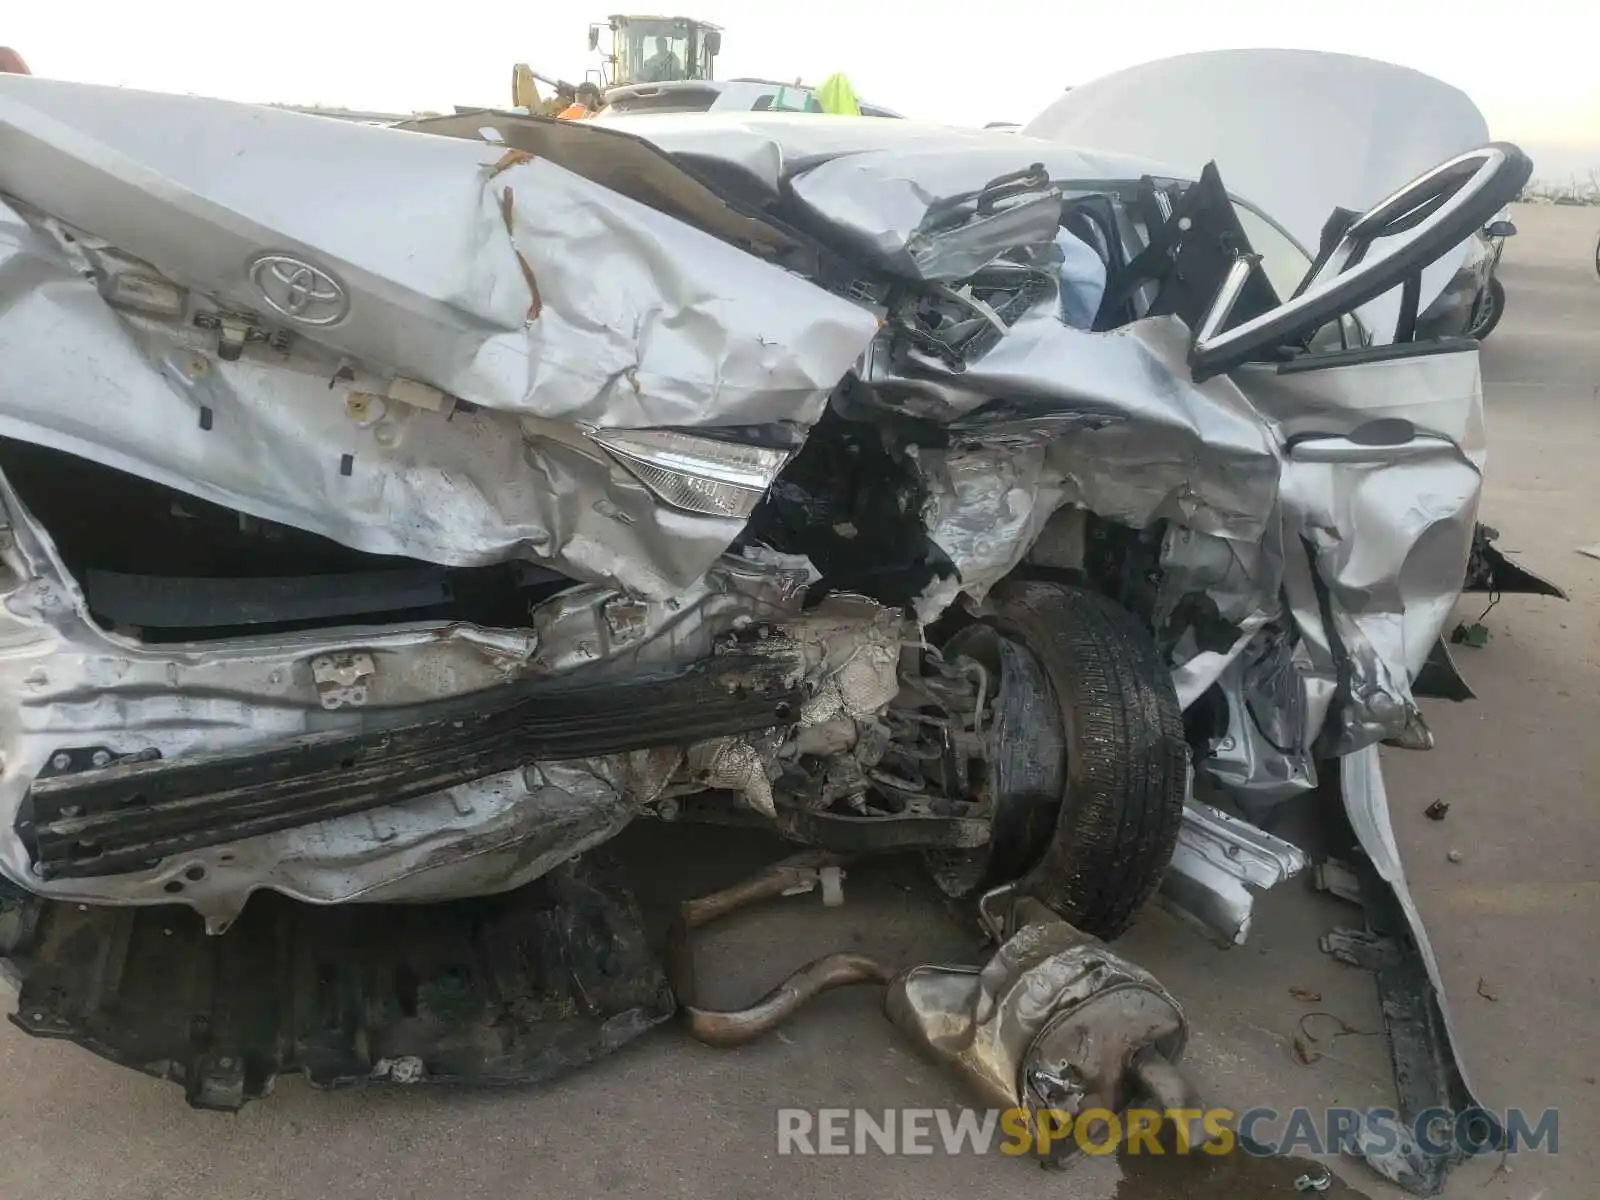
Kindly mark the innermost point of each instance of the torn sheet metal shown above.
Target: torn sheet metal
(301, 437)
(1127, 433)
(64, 682)
(1219, 864)
(553, 305)
(489, 836)
(1276, 705)
(615, 159)
(1380, 491)
(986, 507)
(517, 286)
(1383, 596)
(1215, 595)
(931, 215)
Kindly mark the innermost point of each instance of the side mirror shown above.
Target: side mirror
(713, 42)
(1501, 229)
(594, 37)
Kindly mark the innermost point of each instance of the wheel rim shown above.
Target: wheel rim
(1022, 823)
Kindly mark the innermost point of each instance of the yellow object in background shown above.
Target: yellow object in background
(838, 97)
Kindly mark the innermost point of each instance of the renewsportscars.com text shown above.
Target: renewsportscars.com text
(1215, 1131)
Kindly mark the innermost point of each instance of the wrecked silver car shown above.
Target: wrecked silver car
(393, 515)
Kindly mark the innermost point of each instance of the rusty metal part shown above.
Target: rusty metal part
(1053, 1022)
(799, 873)
(796, 873)
(777, 1006)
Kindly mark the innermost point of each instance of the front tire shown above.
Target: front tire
(1126, 761)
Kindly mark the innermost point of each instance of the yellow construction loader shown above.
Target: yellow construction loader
(643, 50)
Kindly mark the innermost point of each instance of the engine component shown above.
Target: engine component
(1025, 764)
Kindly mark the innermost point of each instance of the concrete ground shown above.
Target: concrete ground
(1516, 925)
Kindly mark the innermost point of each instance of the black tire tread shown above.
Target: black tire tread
(1127, 760)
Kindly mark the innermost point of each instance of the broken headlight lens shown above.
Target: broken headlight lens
(694, 473)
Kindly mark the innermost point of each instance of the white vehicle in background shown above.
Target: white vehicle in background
(1489, 301)
(719, 95)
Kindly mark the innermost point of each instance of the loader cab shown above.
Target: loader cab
(657, 49)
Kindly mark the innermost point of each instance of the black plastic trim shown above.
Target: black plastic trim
(128, 816)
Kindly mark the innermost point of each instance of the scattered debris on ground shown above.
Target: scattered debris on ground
(1318, 1181)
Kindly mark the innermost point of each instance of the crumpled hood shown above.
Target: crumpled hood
(1296, 132)
(345, 285)
(501, 279)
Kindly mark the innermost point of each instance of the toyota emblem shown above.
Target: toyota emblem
(299, 291)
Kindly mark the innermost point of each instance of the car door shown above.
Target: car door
(1382, 447)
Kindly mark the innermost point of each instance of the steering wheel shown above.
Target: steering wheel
(1439, 210)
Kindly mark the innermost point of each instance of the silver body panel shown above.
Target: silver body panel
(437, 403)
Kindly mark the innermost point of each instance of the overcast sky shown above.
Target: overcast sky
(1531, 66)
